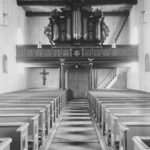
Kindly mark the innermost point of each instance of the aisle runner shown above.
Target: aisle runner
(76, 130)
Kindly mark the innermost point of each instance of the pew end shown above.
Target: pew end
(141, 143)
(18, 132)
(130, 129)
(5, 143)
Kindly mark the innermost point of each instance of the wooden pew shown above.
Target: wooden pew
(40, 93)
(52, 112)
(18, 132)
(125, 97)
(127, 130)
(122, 105)
(108, 93)
(95, 103)
(107, 116)
(141, 142)
(46, 93)
(47, 104)
(104, 104)
(5, 143)
(96, 96)
(28, 93)
(116, 118)
(40, 111)
(55, 108)
(101, 106)
(32, 119)
(56, 99)
(30, 105)
(57, 102)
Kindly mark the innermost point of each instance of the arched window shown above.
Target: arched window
(5, 64)
(147, 63)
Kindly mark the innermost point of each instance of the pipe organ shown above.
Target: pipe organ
(76, 25)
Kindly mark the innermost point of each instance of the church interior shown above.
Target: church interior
(74, 75)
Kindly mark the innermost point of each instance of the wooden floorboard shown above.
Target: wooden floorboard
(76, 130)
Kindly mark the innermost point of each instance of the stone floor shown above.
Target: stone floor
(76, 130)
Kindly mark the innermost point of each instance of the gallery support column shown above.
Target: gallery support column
(62, 74)
(95, 78)
(90, 73)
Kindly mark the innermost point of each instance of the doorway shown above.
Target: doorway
(78, 82)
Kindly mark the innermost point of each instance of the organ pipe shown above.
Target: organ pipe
(76, 23)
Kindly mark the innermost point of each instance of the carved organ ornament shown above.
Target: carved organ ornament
(76, 25)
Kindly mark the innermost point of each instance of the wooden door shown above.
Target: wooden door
(78, 82)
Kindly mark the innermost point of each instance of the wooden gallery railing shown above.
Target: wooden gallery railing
(48, 53)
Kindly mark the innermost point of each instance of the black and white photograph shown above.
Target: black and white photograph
(74, 74)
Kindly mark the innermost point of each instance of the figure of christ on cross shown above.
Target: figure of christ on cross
(44, 73)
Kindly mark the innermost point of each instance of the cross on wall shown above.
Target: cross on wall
(44, 74)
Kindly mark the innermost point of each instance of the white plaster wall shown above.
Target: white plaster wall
(121, 82)
(140, 79)
(35, 78)
(8, 37)
(113, 23)
(36, 26)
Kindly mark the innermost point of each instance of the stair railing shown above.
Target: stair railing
(107, 79)
(119, 28)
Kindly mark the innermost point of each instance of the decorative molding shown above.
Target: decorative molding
(48, 53)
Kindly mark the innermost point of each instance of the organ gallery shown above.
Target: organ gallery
(76, 24)
(74, 75)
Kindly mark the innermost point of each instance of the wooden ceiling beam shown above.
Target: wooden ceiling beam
(38, 2)
(117, 13)
(36, 14)
(114, 13)
(63, 2)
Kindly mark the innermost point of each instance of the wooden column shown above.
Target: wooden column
(62, 74)
(95, 78)
(90, 73)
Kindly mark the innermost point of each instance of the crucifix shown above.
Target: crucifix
(44, 73)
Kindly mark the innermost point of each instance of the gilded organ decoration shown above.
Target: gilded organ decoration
(49, 31)
(76, 25)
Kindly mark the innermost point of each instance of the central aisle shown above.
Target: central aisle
(76, 130)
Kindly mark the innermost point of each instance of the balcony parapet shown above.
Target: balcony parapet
(31, 52)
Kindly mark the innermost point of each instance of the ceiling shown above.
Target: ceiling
(43, 7)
